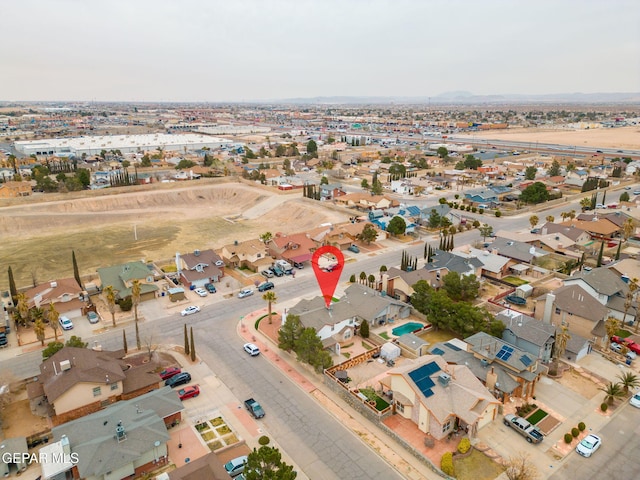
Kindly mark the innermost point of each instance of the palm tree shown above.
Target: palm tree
(560, 345)
(271, 298)
(628, 380)
(612, 392)
(38, 328)
(135, 299)
(628, 228)
(23, 308)
(628, 300)
(611, 325)
(53, 316)
(533, 220)
(110, 295)
(550, 218)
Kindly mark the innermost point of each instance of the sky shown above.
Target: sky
(250, 50)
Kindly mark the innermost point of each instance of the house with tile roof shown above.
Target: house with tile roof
(65, 294)
(493, 265)
(199, 268)
(573, 306)
(528, 334)
(579, 236)
(440, 398)
(516, 250)
(208, 467)
(598, 228)
(13, 189)
(339, 323)
(77, 381)
(125, 440)
(366, 201)
(398, 283)
(444, 262)
(250, 254)
(506, 370)
(121, 278)
(296, 247)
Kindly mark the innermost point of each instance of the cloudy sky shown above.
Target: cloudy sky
(243, 50)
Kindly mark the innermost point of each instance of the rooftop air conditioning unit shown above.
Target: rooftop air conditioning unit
(444, 379)
(65, 365)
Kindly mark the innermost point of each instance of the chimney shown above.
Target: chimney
(548, 308)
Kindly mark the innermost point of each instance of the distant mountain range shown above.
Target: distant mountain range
(468, 98)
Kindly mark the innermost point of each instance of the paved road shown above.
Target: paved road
(617, 458)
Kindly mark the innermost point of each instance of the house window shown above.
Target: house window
(557, 311)
(114, 386)
(446, 427)
(259, 255)
(97, 392)
(399, 407)
(347, 334)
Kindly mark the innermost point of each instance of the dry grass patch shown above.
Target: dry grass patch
(476, 466)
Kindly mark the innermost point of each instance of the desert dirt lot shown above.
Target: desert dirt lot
(618, 138)
(39, 235)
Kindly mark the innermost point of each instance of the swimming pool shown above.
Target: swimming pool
(406, 328)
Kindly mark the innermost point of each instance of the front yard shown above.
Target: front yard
(477, 466)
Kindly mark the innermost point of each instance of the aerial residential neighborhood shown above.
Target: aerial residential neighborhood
(319, 240)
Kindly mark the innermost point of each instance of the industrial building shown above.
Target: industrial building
(76, 146)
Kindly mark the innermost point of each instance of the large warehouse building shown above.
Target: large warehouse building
(76, 146)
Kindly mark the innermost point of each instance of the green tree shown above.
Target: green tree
(535, 193)
(624, 197)
(271, 298)
(397, 226)
(560, 345)
(442, 152)
(371, 279)
(308, 345)
(461, 287)
(324, 180)
(76, 273)
(76, 342)
(554, 169)
(12, 286)
(266, 237)
(485, 231)
(289, 333)
(83, 175)
(52, 349)
(600, 254)
(192, 348)
(364, 184)
(187, 351)
(368, 234)
(146, 160)
(110, 296)
(364, 329)
(472, 163)
(533, 220)
(585, 203)
(376, 187)
(530, 173)
(184, 164)
(266, 464)
(312, 149)
(434, 219)
(398, 169)
(135, 299)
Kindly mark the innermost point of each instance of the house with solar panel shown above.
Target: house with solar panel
(440, 398)
(506, 370)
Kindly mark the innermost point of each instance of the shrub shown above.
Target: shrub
(481, 211)
(581, 426)
(446, 464)
(474, 209)
(603, 407)
(264, 440)
(464, 445)
(575, 432)
(352, 279)
(498, 213)
(568, 438)
(126, 304)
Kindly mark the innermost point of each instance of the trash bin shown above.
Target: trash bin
(628, 361)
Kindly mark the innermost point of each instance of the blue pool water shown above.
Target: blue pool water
(406, 328)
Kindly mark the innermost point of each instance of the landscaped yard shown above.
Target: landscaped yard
(476, 466)
(516, 281)
(437, 336)
(536, 416)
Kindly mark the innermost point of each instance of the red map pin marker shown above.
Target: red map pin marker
(327, 272)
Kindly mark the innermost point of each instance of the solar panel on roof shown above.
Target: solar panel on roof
(525, 360)
(506, 356)
(452, 346)
(422, 377)
(437, 351)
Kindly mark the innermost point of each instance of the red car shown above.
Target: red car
(169, 372)
(189, 392)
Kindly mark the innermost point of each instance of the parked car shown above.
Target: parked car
(266, 286)
(93, 317)
(298, 265)
(354, 249)
(210, 287)
(267, 273)
(191, 391)
(169, 372)
(245, 292)
(251, 349)
(65, 322)
(276, 271)
(636, 192)
(236, 466)
(190, 310)
(589, 445)
(201, 292)
(635, 400)
(179, 379)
